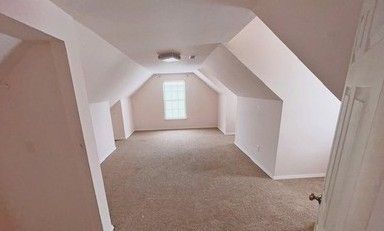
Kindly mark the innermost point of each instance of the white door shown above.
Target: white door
(354, 187)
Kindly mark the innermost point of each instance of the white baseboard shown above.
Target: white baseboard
(126, 137)
(220, 129)
(243, 149)
(300, 176)
(226, 133)
(281, 177)
(110, 228)
(132, 131)
(108, 153)
(167, 129)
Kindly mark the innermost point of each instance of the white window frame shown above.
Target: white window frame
(185, 100)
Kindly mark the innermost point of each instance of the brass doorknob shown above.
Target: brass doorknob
(314, 197)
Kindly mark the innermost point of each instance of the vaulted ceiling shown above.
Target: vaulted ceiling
(224, 67)
(141, 29)
(320, 33)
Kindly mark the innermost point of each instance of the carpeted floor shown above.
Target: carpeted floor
(199, 180)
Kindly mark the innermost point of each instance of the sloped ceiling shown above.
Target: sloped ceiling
(320, 33)
(212, 83)
(141, 29)
(234, 75)
(109, 74)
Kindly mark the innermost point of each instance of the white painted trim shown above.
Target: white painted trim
(282, 177)
(226, 133)
(221, 129)
(132, 131)
(253, 160)
(110, 228)
(109, 151)
(166, 129)
(300, 176)
(126, 137)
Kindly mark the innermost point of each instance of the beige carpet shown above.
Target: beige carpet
(199, 180)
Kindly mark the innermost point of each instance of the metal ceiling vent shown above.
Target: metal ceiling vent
(169, 57)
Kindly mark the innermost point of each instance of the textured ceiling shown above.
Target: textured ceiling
(143, 28)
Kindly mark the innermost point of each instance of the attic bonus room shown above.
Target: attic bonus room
(178, 114)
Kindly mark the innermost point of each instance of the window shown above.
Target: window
(174, 100)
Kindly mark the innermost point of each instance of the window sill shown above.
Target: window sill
(177, 118)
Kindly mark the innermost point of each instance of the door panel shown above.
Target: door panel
(336, 149)
(347, 184)
(350, 157)
(355, 175)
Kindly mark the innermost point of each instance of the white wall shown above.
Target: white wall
(102, 126)
(233, 79)
(46, 17)
(231, 110)
(227, 113)
(126, 109)
(247, 106)
(121, 114)
(44, 177)
(222, 116)
(227, 103)
(148, 107)
(117, 121)
(257, 130)
(310, 110)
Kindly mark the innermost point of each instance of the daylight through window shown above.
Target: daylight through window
(174, 100)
